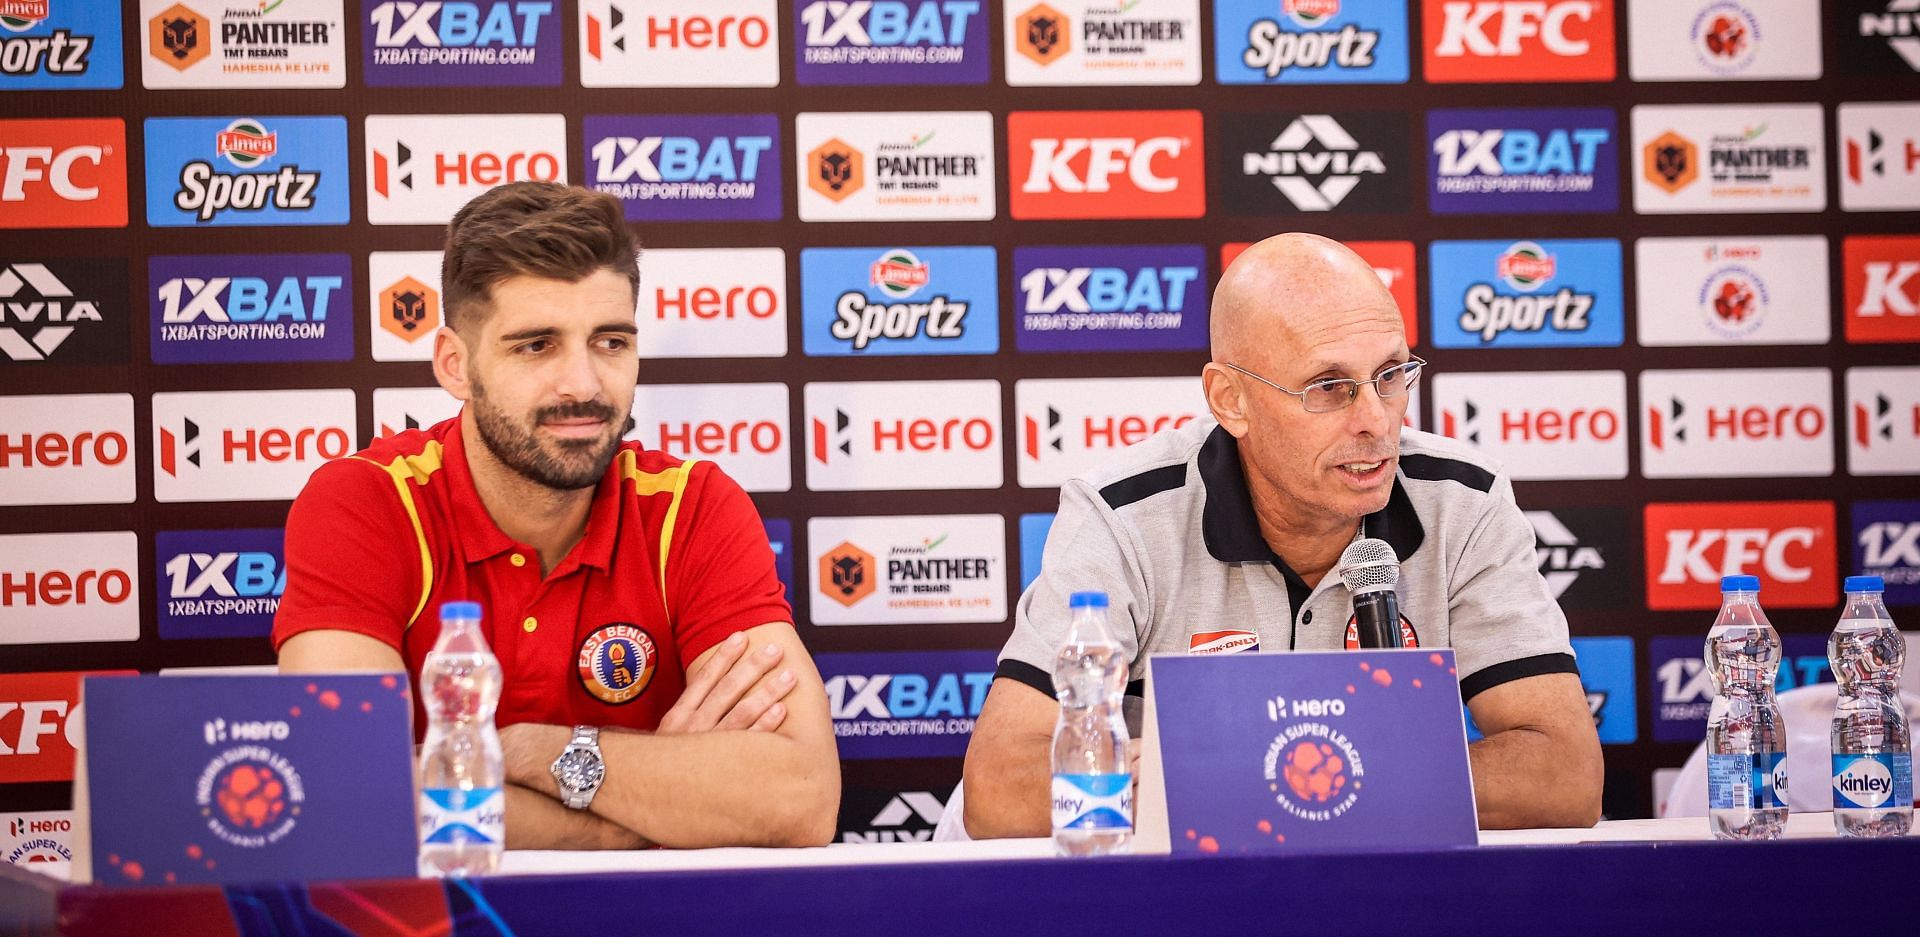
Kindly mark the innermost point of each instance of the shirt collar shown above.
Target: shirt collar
(481, 537)
(1232, 530)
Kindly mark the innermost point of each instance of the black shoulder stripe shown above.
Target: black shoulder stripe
(1437, 469)
(1144, 485)
(1487, 678)
(1020, 671)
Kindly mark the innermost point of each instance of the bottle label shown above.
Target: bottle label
(1747, 782)
(450, 815)
(1092, 801)
(1867, 781)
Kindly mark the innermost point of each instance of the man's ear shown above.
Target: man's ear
(451, 363)
(1223, 398)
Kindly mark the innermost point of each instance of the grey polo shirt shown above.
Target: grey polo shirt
(1169, 533)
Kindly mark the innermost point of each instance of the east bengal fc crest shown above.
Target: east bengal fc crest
(1408, 637)
(616, 662)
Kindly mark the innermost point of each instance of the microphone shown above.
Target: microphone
(1371, 571)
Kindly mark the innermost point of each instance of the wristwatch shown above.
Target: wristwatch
(579, 769)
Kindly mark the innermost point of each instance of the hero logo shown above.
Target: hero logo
(883, 23)
(1504, 416)
(1737, 423)
(898, 274)
(455, 25)
(1788, 544)
(1559, 552)
(741, 426)
(1885, 403)
(1340, 162)
(422, 169)
(60, 53)
(1525, 266)
(461, 169)
(674, 32)
(1070, 426)
(246, 445)
(56, 588)
(244, 144)
(51, 306)
(1868, 158)
(1274, 50)
(66, 449)
(908, 435)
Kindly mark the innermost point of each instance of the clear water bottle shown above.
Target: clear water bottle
(463, 818)
(1092, 776)
(1746, 736)
(1872, 745)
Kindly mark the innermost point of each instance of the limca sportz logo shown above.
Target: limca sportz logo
(246, 171)
(66, 44)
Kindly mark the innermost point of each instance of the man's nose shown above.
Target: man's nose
(1370, 412)
(576, 379)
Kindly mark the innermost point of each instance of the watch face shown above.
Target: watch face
(579, 770)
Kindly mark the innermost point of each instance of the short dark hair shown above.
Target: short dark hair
(541, 229)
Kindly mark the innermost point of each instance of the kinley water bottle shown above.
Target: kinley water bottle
(1092, 777)
(1872, 745)
(463, 827)
(1746, 736)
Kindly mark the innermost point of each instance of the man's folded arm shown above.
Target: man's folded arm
(1009, 774)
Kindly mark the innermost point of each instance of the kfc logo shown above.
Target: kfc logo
(63, 173)
(39, 729)
(1519, 40)
(422, 169)
(66, 450)
(1884, 404)
(1071, 164)
(65, 588)
(908, 435)
(663, 43)
(1068, 427)
(1882, 288)
(740, 427)
(1788, 544)
(1734, 423)
(721, 303)
(247, 445)
(1559, 425)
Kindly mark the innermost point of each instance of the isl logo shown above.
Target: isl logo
(250, 796)
(1313, 772)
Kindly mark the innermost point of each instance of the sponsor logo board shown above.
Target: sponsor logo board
(900, 301)
(1723, 40)
(1883, 418)
(1886, 543)
(1076, 164)
(250, 308)
(719, 303)
(1736, 423)
(1310, 41)
(1583, 554)
(1284, 163)
(906, 166)
(1033, 545)
(907, 570)
(421, 168)
(1880, 157)
(70, 311)
(1393, 261)
(39, 733)
(399, 409)
(1543, 425)
(889, 816)
(679, 167)
(1523, 161)
(1071, 426)
(905, 704)
(903, 435)
(59, 45)
(1877, 37)
(38, 836)
(1098, 42)
(239, 44)
(1881, 283)
(255, 445)
(219, 583)
(1607, 677)
(74, 449)
(890, 42)
(1518, 40)
(403, 304)
(1732, 290)
(740, 427)
(1788, 544)
(69, 173)
(666, 44)
(460, 43)
(1134, 298)
(1728, 158)
(69, 588)
(246, 171)
(1682, 688)
(1527, 294)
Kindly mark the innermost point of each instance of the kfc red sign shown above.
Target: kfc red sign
(1788, 544)
(63, 173)
(39, 726)
(1106, 164)
(1730, 422)
(1519, 40)
(1882, 281)
(1545, 425)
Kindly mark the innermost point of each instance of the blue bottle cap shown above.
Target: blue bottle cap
(1864, 584)
(459, 610)
(1739, 583)
(1087, 600)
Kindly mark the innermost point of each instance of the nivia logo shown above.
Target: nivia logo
(1877, 37)
(906, 817)
(265, 44)
(908, 570)
(1881, 144)
(900, 301)
(246, 171)
(1788, 544)
(1881, 288)
(900, 435)
(219, 583)
(1709, 423)
(1091, 42)
(1717, 158)
(675, 167)
(890, 42)
(68, 449)
(1884, 404)
(48, 44)
(1886, 543)
(1721, 40)
(911, 704)
(251, 307)
(1527, 294)
(400, 409)
(909, 166)
(715, 303)
(69, 588)
(460, 43)
(664, 43)
(1310, 41)
(1072, 426)
(43, 318)
(1583, 555)
(1135, 298)
(1312, 163)
(1749, 291)
(1523, 161)
(740, 427)
(1519, 40)
(1544, 425)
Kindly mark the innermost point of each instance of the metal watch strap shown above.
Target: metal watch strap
(584, 738)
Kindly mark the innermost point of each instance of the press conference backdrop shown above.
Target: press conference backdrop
(911, 264)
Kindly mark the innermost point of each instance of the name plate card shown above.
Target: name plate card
(1304, 752)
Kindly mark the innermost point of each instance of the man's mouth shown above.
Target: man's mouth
(1363, 472)
(575, 427)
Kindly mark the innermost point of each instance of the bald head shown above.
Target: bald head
(1292, 292)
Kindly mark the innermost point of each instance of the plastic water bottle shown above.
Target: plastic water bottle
(1746, 736)
(463, 827)
(1872, 746)
(1092, 776)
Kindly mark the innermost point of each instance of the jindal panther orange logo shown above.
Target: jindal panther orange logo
(409, 309)
(846, 574)
(834, 170)
(1672, 161)
(1043, 34)
(178, 37)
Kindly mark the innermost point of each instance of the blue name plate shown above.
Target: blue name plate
(248, 778)
(1304, 752)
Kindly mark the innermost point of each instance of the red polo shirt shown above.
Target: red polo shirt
(674, 559)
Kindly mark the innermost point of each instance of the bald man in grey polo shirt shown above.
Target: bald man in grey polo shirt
(1223, 537)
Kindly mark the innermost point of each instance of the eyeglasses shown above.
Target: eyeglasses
(1336, 393)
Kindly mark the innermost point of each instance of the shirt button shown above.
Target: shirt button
(1306, 617)
(517, 560)
(530, 624)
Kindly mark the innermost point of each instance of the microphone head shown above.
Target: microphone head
(1368, 565)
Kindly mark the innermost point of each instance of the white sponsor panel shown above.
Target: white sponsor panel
(398, 409)
(243, 44)
(719, 303)
(62, 588)
(1663, 779)
(75, 449)
(404, 304)
(877, 436)
(1736, 423)
(901, 166)
(1879, 157)
(740, 427)
(248, 445)
(1723, 40)
(907, 570)
(421, 168)
(1732, 290)
(1691, 158)
(675, 44)
(1542, 425)
(1068, 427)
(1884, 414)
(39, 836)
(1102, 42)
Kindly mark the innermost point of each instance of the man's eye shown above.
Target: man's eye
(616, 342)
(534, 347)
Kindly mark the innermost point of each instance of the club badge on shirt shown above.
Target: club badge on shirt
(617, 661)
(1222, 642)
(1408, 637)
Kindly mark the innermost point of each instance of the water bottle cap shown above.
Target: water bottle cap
(450, 610)
(1865, 584)
(1087, 600)
(1739, 583)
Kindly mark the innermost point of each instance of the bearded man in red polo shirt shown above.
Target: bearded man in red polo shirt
(630, 595)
